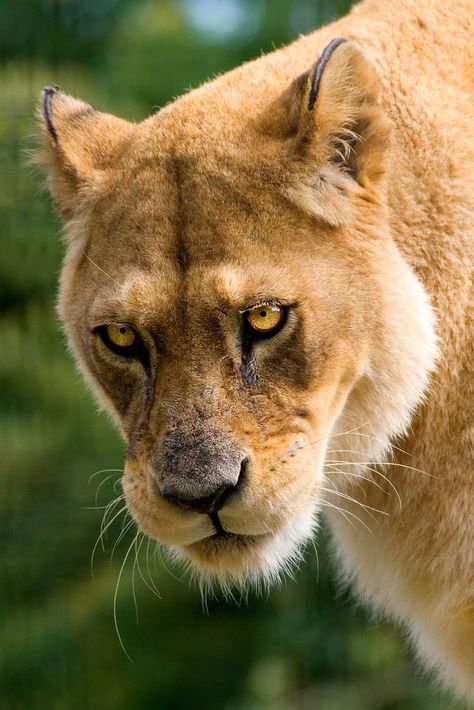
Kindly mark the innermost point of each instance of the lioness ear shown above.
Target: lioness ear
(338, 132)
(80, 143)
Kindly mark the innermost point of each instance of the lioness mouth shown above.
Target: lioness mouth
(220, 532)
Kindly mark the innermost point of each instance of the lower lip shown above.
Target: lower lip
(222, 534)
(230, 537)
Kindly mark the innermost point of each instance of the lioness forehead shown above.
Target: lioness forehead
(190, 209)
(168, 223)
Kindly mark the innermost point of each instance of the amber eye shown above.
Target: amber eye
(122, 336)
(265, 319)
(123, 340)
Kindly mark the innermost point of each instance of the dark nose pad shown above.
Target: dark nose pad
(208, 505)
(216, 487)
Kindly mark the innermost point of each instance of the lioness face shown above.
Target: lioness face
(242, 352)
(226, 293)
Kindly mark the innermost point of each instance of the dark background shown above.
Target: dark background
(304, 645)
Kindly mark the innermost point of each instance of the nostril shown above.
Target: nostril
(209, 504)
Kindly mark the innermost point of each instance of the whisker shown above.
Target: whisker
(313, 543)
(353, 500)
(133, 577)
(160, 551)
(105, 470)
(109, 509)
(150, 584)
(325, 504)
(95, 507)
(381, 441)
(389, 445)
(333, 436)
(375, 463)
(117, 587)
(107, 478)
(101, 534)
(345, 512)
(390, 483)
(125, 528)
(348, 474)
(100, 268)
(118, 482)
(368, 467)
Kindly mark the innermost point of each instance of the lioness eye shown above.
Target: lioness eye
(121, 335)
(125, 341)
(265, 320)
(122, 339)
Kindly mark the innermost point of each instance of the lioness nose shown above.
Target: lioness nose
(199, 471)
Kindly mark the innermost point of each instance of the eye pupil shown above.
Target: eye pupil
(123, 329)
(263, 314)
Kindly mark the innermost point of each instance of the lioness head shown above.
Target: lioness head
(232, 292)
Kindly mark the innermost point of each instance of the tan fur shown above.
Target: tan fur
(358, 216)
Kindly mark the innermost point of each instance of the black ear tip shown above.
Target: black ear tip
(51, 89)
(48, 93)
(319, 68)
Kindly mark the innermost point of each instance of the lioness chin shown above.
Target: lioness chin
(249, 287)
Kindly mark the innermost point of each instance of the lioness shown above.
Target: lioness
(269, 284)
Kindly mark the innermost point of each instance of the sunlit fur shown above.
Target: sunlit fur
(357, 217)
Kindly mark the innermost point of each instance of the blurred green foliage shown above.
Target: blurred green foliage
(302, 646)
